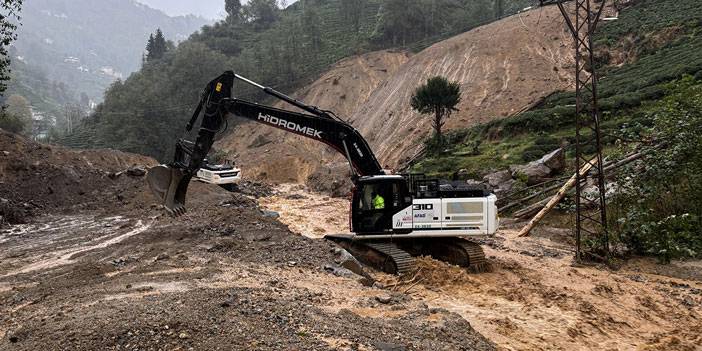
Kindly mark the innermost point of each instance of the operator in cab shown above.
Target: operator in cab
(378, 201)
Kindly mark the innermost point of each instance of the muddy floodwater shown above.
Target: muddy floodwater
(228, 273)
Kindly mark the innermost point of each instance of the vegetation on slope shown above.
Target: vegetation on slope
(650, 61)
(658, 206)
(623, 87)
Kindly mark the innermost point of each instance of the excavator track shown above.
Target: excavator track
(455, 251)
(382, 255)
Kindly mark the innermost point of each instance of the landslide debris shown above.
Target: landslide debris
(37, 178)
(503, 68)
(90, 271)
(275, 156)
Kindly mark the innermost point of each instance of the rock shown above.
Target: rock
(475, 184)
(496, 179)
(378, 285)
(183, 335)
(146, 288)
(542, 169)
(136, 171)
(554, 160)
(384, 346)
(346, 260)
(292, 264)
(339, 271)
(259, 141)
(271, 214)
(384, 299)
(535, 172)
(119, 262)
(6, 153)
(163, 256)
(365, 280)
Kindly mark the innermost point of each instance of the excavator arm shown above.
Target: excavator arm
(170, 182)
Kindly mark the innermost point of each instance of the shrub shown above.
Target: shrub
(658, 207)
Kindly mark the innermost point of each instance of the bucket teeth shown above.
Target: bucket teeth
(170, 184)
(177, 211)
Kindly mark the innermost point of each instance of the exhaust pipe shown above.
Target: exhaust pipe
(169, 185)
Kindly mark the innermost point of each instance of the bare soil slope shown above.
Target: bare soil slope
(503, 68)
(272, 155)
(36, 178)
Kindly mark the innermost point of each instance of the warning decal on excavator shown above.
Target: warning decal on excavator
(219, 87)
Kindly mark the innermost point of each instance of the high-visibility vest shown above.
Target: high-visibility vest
(378, 203)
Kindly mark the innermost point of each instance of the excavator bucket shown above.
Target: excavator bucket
(169, 185)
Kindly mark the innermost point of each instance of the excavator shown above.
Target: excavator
(417, 216)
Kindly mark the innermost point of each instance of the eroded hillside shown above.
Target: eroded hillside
(503, 68)
(266, 153)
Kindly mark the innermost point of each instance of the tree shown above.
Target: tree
(11, 123)
(9, 13)
(438, 97)
(499, 8)
(156, 46)
(352, 11)
(72, 115)
(311, 20)
(398, 21)
(18, 108)
(262, 13)
(85, 101)
(233, 9)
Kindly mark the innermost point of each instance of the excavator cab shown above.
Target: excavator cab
(373, 215)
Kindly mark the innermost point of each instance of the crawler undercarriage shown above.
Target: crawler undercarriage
(399, 256)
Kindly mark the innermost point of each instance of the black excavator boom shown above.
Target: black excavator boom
(170, 182)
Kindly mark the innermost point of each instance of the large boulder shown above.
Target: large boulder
(495, 180)
(542, 169)
(345, 263)
(534, 172)
(554, 160)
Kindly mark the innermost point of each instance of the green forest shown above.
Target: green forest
(284, 49)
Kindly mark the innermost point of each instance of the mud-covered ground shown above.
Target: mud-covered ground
(222, 277)
(95, 264)
(536, 298)
(89, 262)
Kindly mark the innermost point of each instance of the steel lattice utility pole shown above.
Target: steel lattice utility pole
(591, 214)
